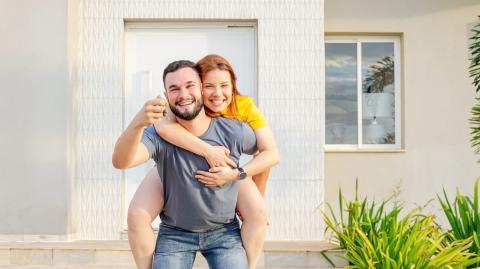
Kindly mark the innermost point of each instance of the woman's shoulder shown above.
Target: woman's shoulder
(244, 100)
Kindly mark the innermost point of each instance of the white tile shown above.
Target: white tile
(285, 259)
(4, 256)
(114, 257)
(31, 256)
(73, 257)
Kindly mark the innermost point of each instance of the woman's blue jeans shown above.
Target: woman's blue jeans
(221, 247)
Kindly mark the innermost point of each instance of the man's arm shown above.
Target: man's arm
(175, 134)
(265, 159)
(129, 150)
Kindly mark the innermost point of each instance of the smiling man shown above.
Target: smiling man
(194, 217)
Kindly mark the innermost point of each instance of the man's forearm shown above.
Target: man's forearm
(127, 146)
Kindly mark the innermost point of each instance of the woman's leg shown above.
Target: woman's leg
(251, 206)
(144, 208)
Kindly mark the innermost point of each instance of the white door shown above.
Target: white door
(150, 47)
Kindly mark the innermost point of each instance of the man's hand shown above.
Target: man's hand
(218, 156)
(217, 176)
(151, 112)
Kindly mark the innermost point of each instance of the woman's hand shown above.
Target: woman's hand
(218, 156)
(217, 176)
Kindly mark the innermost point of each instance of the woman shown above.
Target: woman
(221, 98)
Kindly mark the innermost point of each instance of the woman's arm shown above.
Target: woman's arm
(260, 164)
(174, 133)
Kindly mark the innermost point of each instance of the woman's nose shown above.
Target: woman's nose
(218, 91)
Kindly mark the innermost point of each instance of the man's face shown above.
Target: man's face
(184, 94)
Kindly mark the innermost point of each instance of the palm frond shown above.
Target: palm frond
(474, 70)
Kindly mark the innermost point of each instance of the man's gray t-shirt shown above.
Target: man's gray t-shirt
(188, 204)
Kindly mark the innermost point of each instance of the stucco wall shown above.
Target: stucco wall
(437, 99)
(290, 87)
(34, 112)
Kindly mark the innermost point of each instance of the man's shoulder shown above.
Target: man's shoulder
(152, 134)
(228, 121)
(233, 125)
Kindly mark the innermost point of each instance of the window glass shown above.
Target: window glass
(378, 93)
(341, 93)
(362, 92)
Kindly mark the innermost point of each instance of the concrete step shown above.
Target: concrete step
(116, 267)
(116, 254)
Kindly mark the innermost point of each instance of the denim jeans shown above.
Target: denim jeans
(221, 247)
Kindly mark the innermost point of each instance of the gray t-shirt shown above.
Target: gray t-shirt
(188, 204)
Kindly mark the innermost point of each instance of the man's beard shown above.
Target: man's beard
(188, 115)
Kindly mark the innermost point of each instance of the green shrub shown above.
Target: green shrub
(376, 237)
(464, 218)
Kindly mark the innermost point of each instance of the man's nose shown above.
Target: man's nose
(183, 91)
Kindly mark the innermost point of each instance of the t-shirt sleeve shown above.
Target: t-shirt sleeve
(152, 141)
(249, 140)
(255, 118)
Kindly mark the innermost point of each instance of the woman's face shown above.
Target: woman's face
(217, 90)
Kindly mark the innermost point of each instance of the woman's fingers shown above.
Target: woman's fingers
(205, 179)
(208, 179)
(230, 162)
(208, 184)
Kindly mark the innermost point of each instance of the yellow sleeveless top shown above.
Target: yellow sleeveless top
(247, 112)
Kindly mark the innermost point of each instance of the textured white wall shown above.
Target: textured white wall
(291, 90)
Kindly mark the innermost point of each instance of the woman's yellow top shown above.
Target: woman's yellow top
(247, 112)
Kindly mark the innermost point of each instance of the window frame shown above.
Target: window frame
(360, 146)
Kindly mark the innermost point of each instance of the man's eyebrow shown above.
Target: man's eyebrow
(172, 86)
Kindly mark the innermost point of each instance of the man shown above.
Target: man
(194, 218)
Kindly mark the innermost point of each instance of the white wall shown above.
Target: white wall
(437, 99)
(290, 87)
(34, 115)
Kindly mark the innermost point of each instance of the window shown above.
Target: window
(362, 93)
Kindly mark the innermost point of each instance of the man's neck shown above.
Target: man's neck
(198, 126)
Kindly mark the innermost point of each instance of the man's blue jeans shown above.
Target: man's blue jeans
(222, 248)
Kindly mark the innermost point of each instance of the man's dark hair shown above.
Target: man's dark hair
(174, 66)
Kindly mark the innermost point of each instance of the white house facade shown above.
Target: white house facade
(74, 71)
